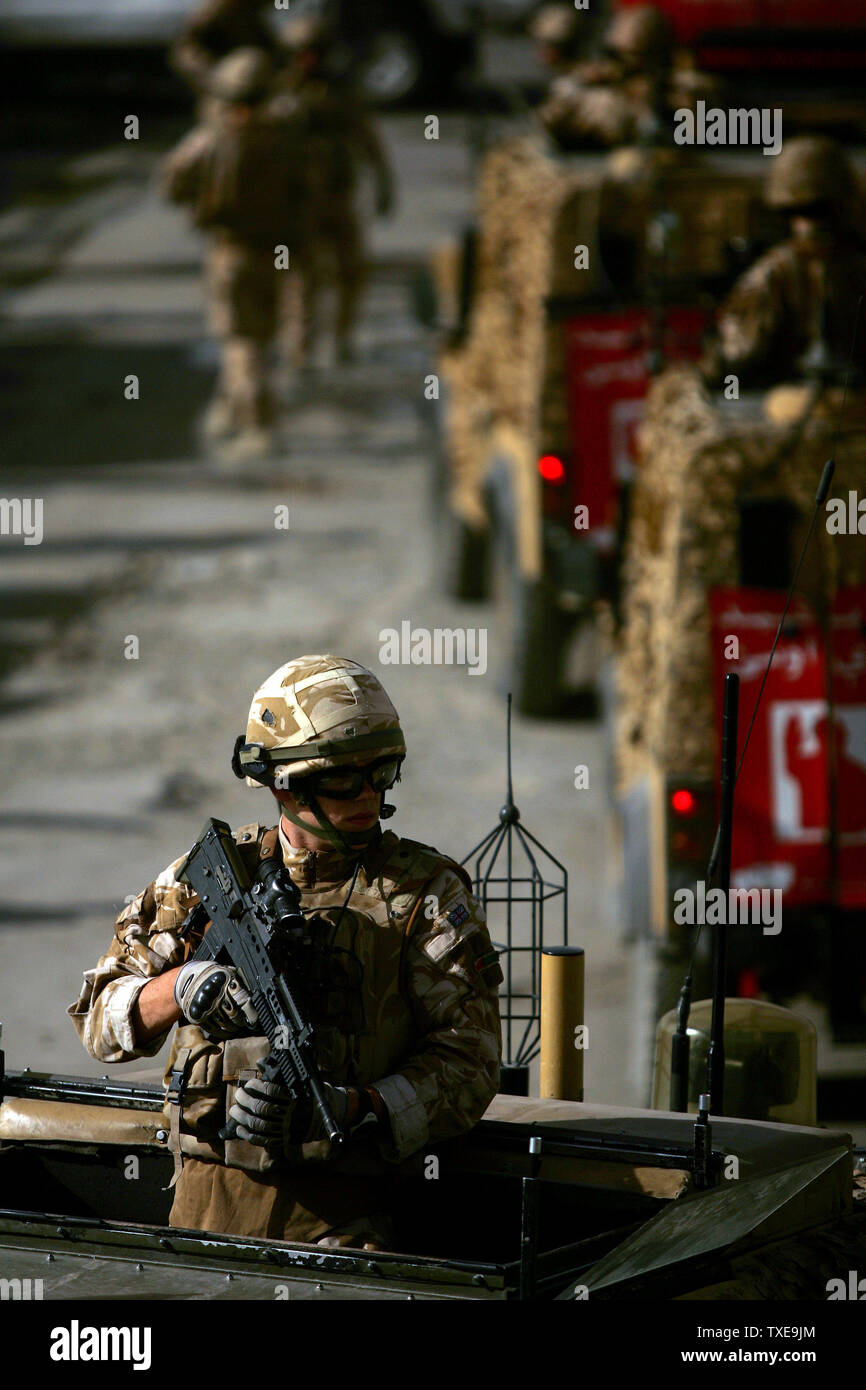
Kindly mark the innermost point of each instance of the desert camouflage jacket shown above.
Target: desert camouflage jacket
(216, 29)
(243, 177)
(413, 1006)
(341, 139)
(783, 303)
(594, 107)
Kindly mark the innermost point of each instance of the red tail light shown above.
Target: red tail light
(552, 469)
(748, 984)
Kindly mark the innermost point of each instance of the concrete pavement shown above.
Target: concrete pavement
(112, 764)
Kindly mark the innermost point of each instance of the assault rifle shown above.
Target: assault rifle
(254, 923)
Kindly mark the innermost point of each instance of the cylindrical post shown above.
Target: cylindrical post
(562, 1030)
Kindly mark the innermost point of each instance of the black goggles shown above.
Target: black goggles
(345, 783)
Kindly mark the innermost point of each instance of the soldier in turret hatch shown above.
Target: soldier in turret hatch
(795, 309)
(626, 97)
(404, 1002)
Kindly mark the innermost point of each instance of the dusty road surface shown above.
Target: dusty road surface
(116, 750)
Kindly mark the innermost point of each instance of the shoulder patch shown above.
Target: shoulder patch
(457, 916)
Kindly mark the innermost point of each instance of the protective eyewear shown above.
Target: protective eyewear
(345, 783)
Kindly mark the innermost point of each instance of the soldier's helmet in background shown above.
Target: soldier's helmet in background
(324, 711)
(556, 26)
(641, 36)
(810, 170)
(245, 75)
(306, 32)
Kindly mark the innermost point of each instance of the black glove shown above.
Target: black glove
(264, 1110)
(263, 1113)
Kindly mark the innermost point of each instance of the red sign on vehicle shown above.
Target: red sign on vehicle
(607, 362)
(768, 35)
(803, 781)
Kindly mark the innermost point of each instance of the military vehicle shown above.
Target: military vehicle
(811, 50)
(720, 508)
(548, 1198)
(544, 1199)
(589, 271)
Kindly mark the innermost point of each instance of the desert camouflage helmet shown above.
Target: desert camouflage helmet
(641, 33)
(243, 76)
(316, 712)
(556, 25)
(810, 169)
(306, 31)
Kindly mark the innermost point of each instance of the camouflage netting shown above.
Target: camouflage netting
(525, 253)
(534, 209)
(698, 464)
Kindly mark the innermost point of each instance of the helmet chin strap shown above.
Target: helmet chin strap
(349, 841)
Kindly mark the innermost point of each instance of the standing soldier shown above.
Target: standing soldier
(556, 30)
(402, 994)
(339, 138)
(627, 97)
(215, 30)
(243, 175)
(795, 309)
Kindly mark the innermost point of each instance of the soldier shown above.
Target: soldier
(795, 309)
(215, 30)
(556, 30)
(340, 139)
(407, 1018)
(625, 98)
(243, 175)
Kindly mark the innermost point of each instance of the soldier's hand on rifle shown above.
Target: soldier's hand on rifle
(214, 997)
(263, 1112)
(349, 1107)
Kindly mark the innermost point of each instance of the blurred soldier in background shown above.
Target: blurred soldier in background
(215, 30)
(628, 96)
(339, 139)
(558, 35)
(243, 175)
(794, 310)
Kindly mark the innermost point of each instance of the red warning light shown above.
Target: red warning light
(684, 802)
(551, 468)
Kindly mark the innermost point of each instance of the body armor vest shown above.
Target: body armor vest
(357, 998)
